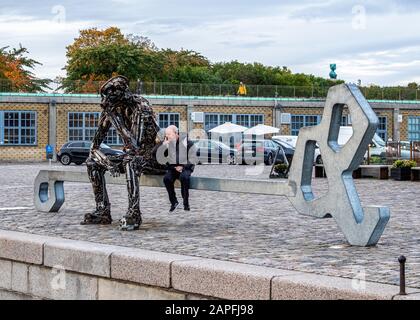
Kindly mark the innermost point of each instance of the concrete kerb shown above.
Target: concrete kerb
(184, 276)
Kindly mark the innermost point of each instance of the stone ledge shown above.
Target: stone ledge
(226, 280)
(23, 247)
(306, 286)
(80, 256)
(142, 266)
(146, 274)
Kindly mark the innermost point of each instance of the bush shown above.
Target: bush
(280, 168)
(375, 160)
(404, 164)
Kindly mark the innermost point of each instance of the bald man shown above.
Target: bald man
(179, 167)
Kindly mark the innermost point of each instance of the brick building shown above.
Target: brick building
(28, 122)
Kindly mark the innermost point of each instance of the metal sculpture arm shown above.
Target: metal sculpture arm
(95, 152)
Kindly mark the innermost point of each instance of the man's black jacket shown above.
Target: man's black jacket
(183, 154)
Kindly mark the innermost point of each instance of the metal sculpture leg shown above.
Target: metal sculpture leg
(102, 214)
(132, 220)
(361, 226)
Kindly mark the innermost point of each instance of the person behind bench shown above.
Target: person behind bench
(179, 166)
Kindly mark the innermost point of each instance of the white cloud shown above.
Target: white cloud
(305, 36)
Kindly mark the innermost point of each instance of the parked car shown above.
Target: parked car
(254, 149)
(212, 151)
(377, 146)
(78, 152)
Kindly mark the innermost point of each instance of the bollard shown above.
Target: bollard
(402, 261)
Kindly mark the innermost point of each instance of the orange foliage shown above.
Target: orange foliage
(93, 37)
(12, 69)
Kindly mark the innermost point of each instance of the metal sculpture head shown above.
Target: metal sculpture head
(116, 90)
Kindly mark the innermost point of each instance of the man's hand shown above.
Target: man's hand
(179, 168)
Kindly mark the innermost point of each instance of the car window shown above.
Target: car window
(76, 145)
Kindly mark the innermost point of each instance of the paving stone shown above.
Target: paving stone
(253, 229)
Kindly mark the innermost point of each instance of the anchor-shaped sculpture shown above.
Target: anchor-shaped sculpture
(361, 226)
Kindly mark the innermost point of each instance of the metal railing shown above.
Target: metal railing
(204, 89)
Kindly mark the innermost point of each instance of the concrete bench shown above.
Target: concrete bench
(49, 186)
(415, 174)
(374, 171)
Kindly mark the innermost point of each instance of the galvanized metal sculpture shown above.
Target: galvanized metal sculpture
(361, 226)
(133, 119)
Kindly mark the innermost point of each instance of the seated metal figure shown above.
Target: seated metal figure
(133, 118)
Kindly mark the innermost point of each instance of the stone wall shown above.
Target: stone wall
(40, 267)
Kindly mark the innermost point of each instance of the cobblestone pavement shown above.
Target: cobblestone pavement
(253, 229)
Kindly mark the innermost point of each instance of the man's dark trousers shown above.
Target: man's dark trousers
(169, 180)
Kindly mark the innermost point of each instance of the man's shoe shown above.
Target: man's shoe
(187, 208)
(173, 207)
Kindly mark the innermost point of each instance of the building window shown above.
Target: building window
(212, 120)
(382, 130)
(168, 119)
(299, 121)
(83, 126)
(18, 127)
(414, 128)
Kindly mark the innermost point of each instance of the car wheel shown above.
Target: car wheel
(270, 159)
(65, 159)
(319, 160)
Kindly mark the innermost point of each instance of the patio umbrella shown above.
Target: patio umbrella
(228, 127)
(261, 129)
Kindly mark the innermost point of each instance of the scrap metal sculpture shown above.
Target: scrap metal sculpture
(133, 119)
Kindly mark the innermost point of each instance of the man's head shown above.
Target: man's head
(171, 133)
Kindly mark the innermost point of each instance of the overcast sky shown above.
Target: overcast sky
(375, 41)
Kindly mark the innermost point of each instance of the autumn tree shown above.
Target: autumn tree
(16, 71)
(97, 55)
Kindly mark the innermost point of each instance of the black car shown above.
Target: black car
(78, 152)
(251, 149)
(211, 151)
